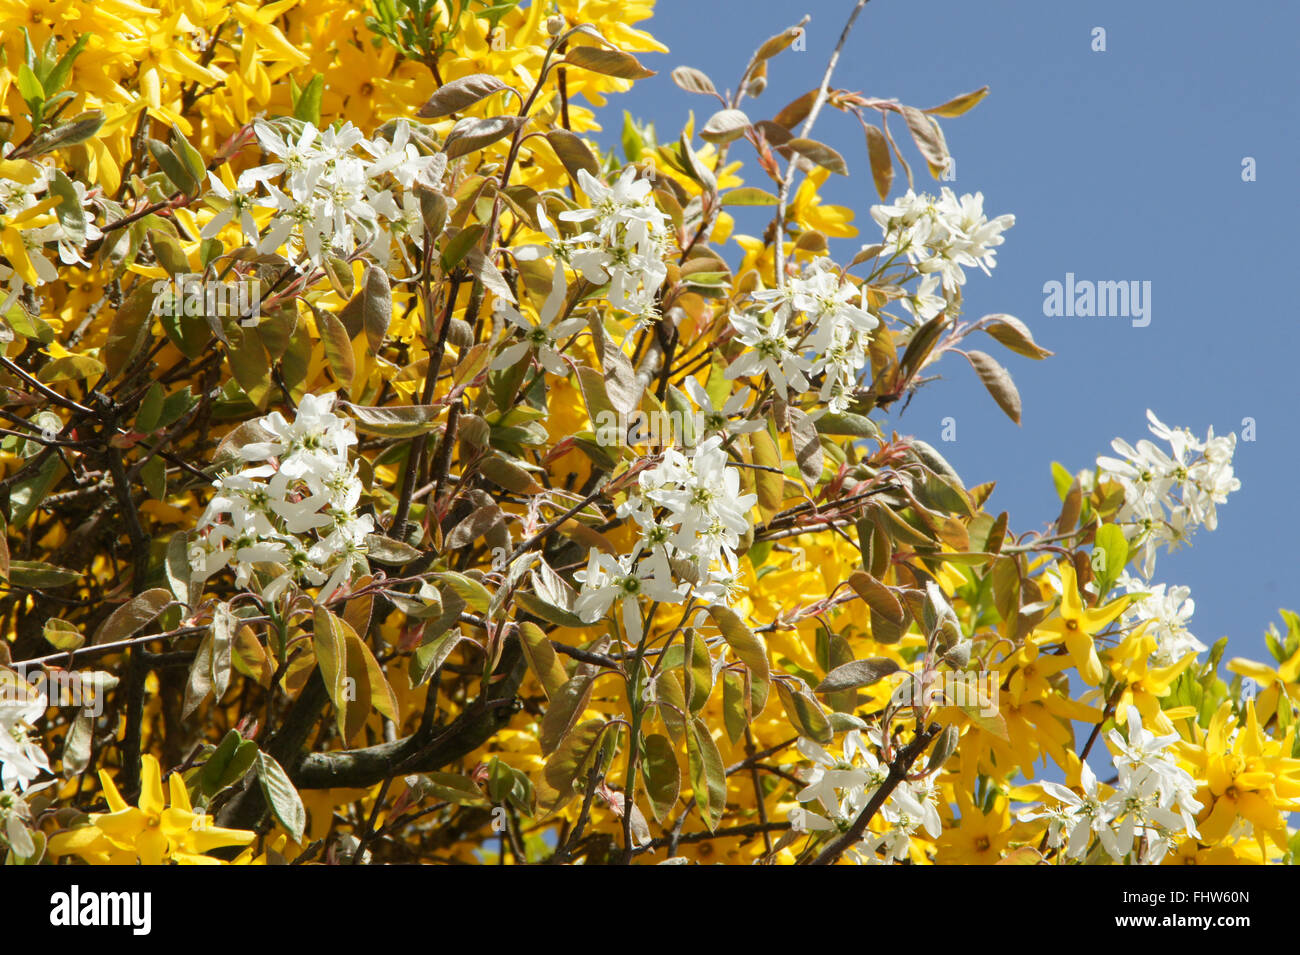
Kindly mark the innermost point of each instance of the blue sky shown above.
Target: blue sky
(1118, 165)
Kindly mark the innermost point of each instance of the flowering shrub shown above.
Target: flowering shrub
(391, 475)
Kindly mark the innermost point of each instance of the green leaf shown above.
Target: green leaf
(386, 550)
(708, 775)
(39, 575)
(30, 88)
(329, 642)
(749, 649)
(70, 133)
(227, 764)
(477, 597)
(458, 246)
(70, 213)
(173, 167)
(857, 673)
(281, 795)
(1110, 556)
(77, 743)
(63, 635)
(803, 710)
(57, 77)
(662, 775)
(306, 106)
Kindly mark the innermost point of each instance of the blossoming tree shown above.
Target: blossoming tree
(518, 509)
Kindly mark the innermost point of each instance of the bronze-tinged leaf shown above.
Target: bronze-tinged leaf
(573, 153)
(382, 697)
(566, 707)
(575, 754)
(395, 421)
(132, 616)
(807, 447)
(370, 310)
(927, 136)
(507, 474)
(621, 384)
(882, 166)
(857, 673)
(1071, 507)
(460, 94)
(338, 347)
(795, 112)
(769, 481)
(329, 642)
(1015, 335)
(129, 327)
(542, 658)
(998, 382)
(775, 44)
(625, 66)
(693, 80)
(919, 346)
(354, 707)
(1006, 588)
(250, 364)
(877, 596)
(959, 104)
(471, 134)
(819, 153)
(724, 126)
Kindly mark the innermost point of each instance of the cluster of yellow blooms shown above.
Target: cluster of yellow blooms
(869, 591)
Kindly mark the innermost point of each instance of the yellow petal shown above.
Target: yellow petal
(151, 791)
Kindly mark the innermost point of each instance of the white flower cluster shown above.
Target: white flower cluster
(1166, 611)
(1168, 495)
(691, 516)
(21, 757)
(297, 508)
(541, 338)
(942, 237)
(1154, 800)
(338, 192)
(32, 209)
(625, 241)
(21, 761)
(817, 314)
(842, 787)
